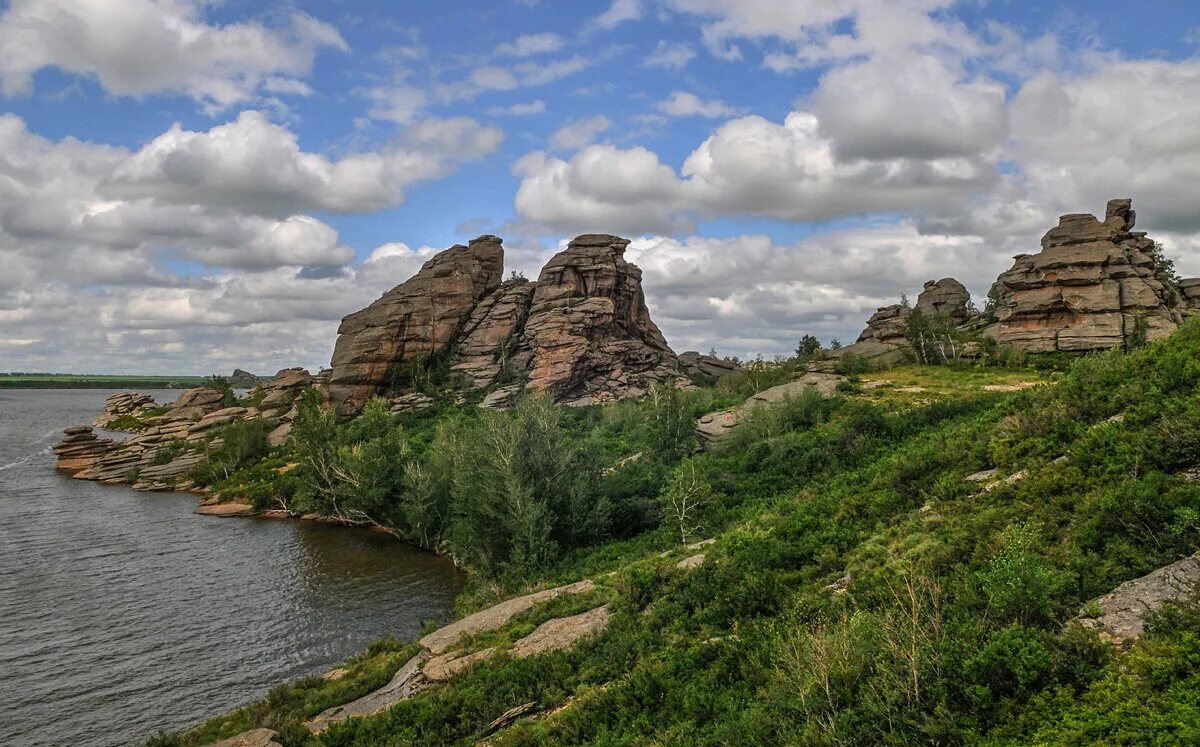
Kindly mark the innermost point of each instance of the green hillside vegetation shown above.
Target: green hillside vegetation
(859, 591)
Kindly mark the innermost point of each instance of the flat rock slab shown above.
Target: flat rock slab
(562, 632)
(407, 682)
(494, 617)
(252, 738)
(446, 666)
(1126, 607)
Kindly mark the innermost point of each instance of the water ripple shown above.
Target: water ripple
(122, 613)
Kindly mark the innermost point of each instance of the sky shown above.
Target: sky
(189, 186)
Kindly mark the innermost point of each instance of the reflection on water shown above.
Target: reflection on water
(122, 613)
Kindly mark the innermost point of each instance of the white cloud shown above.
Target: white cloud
(527, 45)
(685, 104)
(401, 104)
(254, 165)
(748, 166)
(577, 134)
(141, 47)
(670, 56)
(524, 109)
(908, 106)
(619, 11)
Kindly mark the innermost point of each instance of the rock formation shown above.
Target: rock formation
(240, 379)
(1124, 610)
(1090, 288)
(883, 343)
(714, 427)
(121, 404)
(417, 320)
(589, 332)
(706, 368)
(581, 332)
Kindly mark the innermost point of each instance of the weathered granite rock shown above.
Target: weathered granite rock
(716, 426)
(411, 402)
(80, 449)
(706, 367)
(1189, 288)
(562, 632)
(420, 318)
(1091, 286)
(1125, 608)
(492, 333)
(123, 403)
(240, 379)
(407, 682)
(946, 296)
(501, 398)
(252, 738)
(494, 617)
(887, 325)
(589, 330)
(196, 403)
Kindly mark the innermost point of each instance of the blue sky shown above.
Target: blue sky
(194, 185)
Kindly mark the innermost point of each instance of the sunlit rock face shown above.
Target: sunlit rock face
(1092, 285)
(420, 318)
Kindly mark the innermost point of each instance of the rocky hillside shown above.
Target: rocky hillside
(581, 332)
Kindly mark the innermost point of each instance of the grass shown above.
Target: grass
(96, 381)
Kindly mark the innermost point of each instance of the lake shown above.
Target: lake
(123, 613)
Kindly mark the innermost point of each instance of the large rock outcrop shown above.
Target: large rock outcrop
(883, 342)
(419, 319)
(589, 332)
(1092, 287)
(581, 333)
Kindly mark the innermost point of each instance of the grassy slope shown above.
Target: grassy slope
(951, 629)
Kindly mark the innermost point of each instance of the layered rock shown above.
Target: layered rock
(240, 379)
(490, 337)
(582, 333)
(706, 367)
(589, 334)
(417, 320)
(1093, 286)
(120, 404)
(194, 404)
(883, 342)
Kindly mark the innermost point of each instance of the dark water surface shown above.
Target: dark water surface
(123, 613)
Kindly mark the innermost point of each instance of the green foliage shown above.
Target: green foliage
(860, 590)
(808, 347)
(241, 444)
(221, 384)
(852, 364)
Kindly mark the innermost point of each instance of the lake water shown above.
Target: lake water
(123, 613)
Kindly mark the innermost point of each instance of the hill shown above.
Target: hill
(906, 561)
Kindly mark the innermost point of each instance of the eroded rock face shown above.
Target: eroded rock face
(1091, 286)
(714, 427)
(589, 332)
(706, 367)
(419, 318)
(123, 403)
(491, 335)
(946, 296)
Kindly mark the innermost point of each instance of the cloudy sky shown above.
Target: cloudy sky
(192, 185)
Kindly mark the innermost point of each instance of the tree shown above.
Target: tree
(835, 344)
(808, 347)
(686, 498)
(933, 337)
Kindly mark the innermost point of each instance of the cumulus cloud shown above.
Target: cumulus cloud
(686, 104)
(748, 166)
(142, 47)
(254, 165)
(520, 109)
(908, 106)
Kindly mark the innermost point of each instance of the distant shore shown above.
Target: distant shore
(96, 381)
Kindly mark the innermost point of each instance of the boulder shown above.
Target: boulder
(589, 331)
(1093, 285)
(1124, 610)
(706, 367)
(252, 738)
(417, 320)
(194, 404)
(946, 296)
(121, 404)
(240, 379)
(714, 427)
